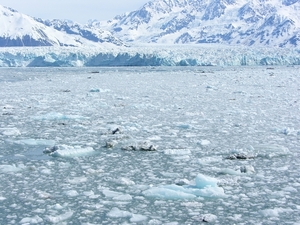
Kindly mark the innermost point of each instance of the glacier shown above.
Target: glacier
(147, 55)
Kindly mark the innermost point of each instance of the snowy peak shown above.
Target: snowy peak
(255, 22)
(94, 34)
(17, 29)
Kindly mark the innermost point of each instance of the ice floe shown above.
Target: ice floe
(204, 186)
(69, 151)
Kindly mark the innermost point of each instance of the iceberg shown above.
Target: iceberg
(69, 151)
(204, 186)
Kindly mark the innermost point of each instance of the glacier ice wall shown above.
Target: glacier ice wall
(191, 55)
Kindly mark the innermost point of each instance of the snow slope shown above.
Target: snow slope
(17, 29)
(250, 23)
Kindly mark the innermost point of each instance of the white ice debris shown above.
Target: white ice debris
(69, 151)
(134, 218)
(42, 142)
(32, 220)
(59, 218)
(10, 131)
(11, 168)
(58, 116)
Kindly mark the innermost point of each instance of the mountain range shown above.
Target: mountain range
(237, 22)
(17, 29)
(271, 23)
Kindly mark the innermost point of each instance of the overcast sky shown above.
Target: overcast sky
(77, 10)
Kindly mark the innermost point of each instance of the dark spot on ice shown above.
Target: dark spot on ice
(240, 156)
(50, 150)
(116, 131)
(204, 220)
(7, 114)
(143, 147)
(67, 90)
(62, 124)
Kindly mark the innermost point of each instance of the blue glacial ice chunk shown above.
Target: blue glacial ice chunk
(32, 142)
(71, 151)
(204, 186)
(168, 192)
(202, 181)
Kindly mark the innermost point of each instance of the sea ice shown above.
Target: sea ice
(169, 107)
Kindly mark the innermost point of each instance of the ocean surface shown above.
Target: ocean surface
(150, 145)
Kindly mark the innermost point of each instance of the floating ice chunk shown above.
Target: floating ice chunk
(95, 90)
(72, 193)
(137, 218)
(184, 126)
(111, 194)
(154, 222)
(177, 151)
(209, 160)
(58, 116)
(142, 146)
(10, 168)
(182, 182)
(46, 171)
(70, 151)
(31, 220)
(59, 218)
(2, 198)
(275, 212)
(230, 171)
(78, 180)
(204, 142)
(43, 194)
(208, 218)
(124, 181)
(111, 143)
(100, 90)
(242, 171)
(204, 186)
(10, 131)
(168, 192)
(125, 197)
(242, 156)
(33, 142)
(202, 181)
(290, 189)
(117, 213)
(247, 169)
(271, 151)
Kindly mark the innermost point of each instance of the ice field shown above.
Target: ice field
(150, 145)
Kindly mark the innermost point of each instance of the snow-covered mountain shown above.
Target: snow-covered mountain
(17, 29)
(242, 22)
(88, 32)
